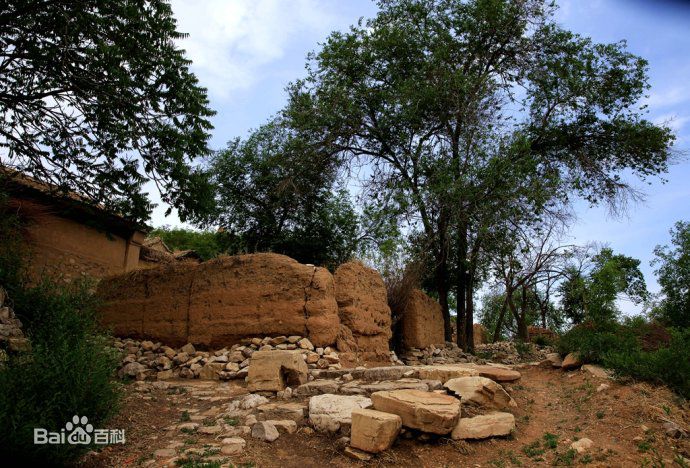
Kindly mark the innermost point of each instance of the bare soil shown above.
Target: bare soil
(555, 408)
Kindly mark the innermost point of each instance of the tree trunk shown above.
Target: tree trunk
(523, 334)
(469, 314)
(461, 285)
(442, 291)
(499, 323)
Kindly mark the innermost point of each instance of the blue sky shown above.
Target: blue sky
(246, 51)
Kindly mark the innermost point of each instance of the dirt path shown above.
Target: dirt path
(554, 409)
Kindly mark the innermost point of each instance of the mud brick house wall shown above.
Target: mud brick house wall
(69, 237)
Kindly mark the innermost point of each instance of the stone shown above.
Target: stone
(131, 369)
(356, 454)
(484, 426)
(292, 411)
(317, 387)
(188, 349)
(180, 358)
(304, 343)
(426, 411)
(481, 391)
(673, 430)
(554, 359)
(274, 370)
(232, 445)
(165, 375)
(264, 430)
(498, 373)
(208, 372)
(596, 371)
(329, 413)
(603, 387)
(209, 430)
(386, 385)
(251, 401)
(582, 445)
(18, 344)
(571, 361)
(165, 453)
(374, 431)
(284, 426)
(445, 372)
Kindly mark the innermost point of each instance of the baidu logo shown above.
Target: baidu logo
(78, 431)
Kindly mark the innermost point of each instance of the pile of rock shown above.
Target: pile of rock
(506, 352)
(447, 353)
(144, 360)
(12, 339)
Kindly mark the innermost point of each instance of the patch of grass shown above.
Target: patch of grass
(208, 422)
(644, 446)
(565, 459)
(188, 430)
(231, 421)
(533, 450)
(184, 417)
(667, 409)
(600, 414)
(197, 463)
(586, 459)
(191, 441)
(550, 440)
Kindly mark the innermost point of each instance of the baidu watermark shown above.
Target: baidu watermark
(78, 431)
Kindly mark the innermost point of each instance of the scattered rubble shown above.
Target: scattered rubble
(12, 339)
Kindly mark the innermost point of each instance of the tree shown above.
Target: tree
(274, 195)
(591, 294)
(674, 277)
(425, 96)
(207, 244)
(96, 98)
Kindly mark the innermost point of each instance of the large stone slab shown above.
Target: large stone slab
(481, 391)
(280, 411)
(374, 431)
(364, 388)
(497, 372)
(274, 370)
(445, 372)
(571, 361)
(331, 413)
(426, 411)
(482, 427)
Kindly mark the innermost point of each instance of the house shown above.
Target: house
(69, 236)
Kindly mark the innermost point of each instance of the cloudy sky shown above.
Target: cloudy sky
(246, 51)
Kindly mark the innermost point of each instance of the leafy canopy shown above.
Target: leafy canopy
(96, 98)
(674, 277)
(275, 194)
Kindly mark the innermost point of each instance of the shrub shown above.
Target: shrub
(668, 365)
(635, 348)
(69, 372)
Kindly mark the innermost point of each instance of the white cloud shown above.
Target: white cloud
(668, 97)
(231, 42)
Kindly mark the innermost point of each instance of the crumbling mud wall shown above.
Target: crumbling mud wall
(422, 322)
(363, 310)
(222, 301)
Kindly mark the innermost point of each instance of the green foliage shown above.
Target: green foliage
(626, 348)
(206, 243)
(96, 97)
(592, 295)
(674, 277)
(275, 194)
(68, 372)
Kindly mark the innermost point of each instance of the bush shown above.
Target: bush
(669, 365)
(635, 348)
(69, 372)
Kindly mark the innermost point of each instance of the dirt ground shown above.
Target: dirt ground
(555, 408)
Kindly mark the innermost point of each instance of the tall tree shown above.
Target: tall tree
(95, 97)
(273, 194)
(428, 95)
(674, 277)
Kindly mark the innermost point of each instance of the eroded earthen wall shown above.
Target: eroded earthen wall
(363, 308)
(422, 321)
(219, 302)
